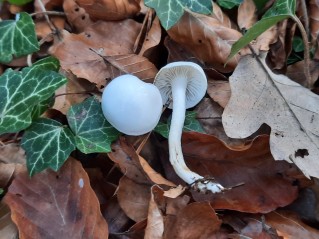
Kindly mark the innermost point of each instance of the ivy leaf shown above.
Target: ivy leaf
(47, 144)
(170, 11)
(19, 2)
(260, 4)
(93, 133)
(190, 124)
(297, 44)
(40, 108)
(281, 10)
(17, 37)
(229, 4)
(21, 91)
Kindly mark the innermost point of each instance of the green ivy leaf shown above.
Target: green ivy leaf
(40, 108)
(21, 91)
(170, 11)
(260, 4)
(281, 10)
(17, 37)
(19, 2)
(1, 191)
(229, 4)
(93, 133)
(190, 124)
(47, 144)
(297, 44)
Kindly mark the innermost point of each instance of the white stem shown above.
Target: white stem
(174, 140)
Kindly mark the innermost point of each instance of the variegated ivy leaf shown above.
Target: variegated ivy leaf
(21, 91)
(17, 37)
(190, 124)
(47, 144)
(92, 131)
(170, 11)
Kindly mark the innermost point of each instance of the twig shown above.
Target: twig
(306, 51)
(52, 27)
(54, 13)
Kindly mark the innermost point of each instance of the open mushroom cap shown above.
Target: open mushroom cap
(191, 72)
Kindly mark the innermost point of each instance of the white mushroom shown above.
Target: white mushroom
(185, 84)
(132, 106)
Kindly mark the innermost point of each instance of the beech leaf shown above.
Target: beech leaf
(92, 132)
(56, 205)
(170, 11)
(48, 144)
(17, 37)
(288, 108)
(281, 10)
(21, 91)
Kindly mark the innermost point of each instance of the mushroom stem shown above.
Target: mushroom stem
(176, 158)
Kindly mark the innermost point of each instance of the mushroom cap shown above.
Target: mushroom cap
(132, 106)
(191, 72)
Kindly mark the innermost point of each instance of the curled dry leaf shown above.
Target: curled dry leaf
(75, 54)
(76, 15)
(110, 10)
(210, 41)
(264, 183)
(289, 226)
(271, 99)
(247, 14)
(314, 19)
(67, 200)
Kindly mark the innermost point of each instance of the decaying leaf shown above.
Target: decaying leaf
(289, 109)
(264, 183)
(61, 204)
(247, 14)
(289, 226)
(210, 40)
(8, 229)
(110, 10)
(314, 19)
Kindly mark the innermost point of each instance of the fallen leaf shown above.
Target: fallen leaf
(76, 15)
(44, 31)
(247, 14)
(75, 54)
(219, 91)
(296, 72)
(133, 198)
(196, 220)
(12, 153)
(49, 4)
(8, 171)
(110, 10)
(210, 40)
(313, 9)
(8, 229)
(271, 99)
(66, 199)
(289, 226)
(264, 184)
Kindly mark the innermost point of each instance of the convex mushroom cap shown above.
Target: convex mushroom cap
(132, 106)
(193, 75)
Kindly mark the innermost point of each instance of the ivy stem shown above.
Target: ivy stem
(305, 15)
(306, 51)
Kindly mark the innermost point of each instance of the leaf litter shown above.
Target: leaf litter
(130, 193)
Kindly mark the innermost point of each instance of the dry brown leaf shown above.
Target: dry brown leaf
(221, 17)
(8, 229)
(313, 9)
(271, 99)
(8, 171)
(72, 93)
(196, 220)
(210, 40)
(76, 15)
(133, 198)
(67, 200)
(289, 226)
(296, 72)
(219, 91)
(247, 14)
(264, 183)
(12, 153)
(110, 10)
(75, 55)
(48, 4)
(155, 218)
(44, 31)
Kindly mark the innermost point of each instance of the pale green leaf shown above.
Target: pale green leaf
(170, 11)
(21, 91)
(93, 133)
(281, 10)
(229, 4)
(17, 37)
(47, 144)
